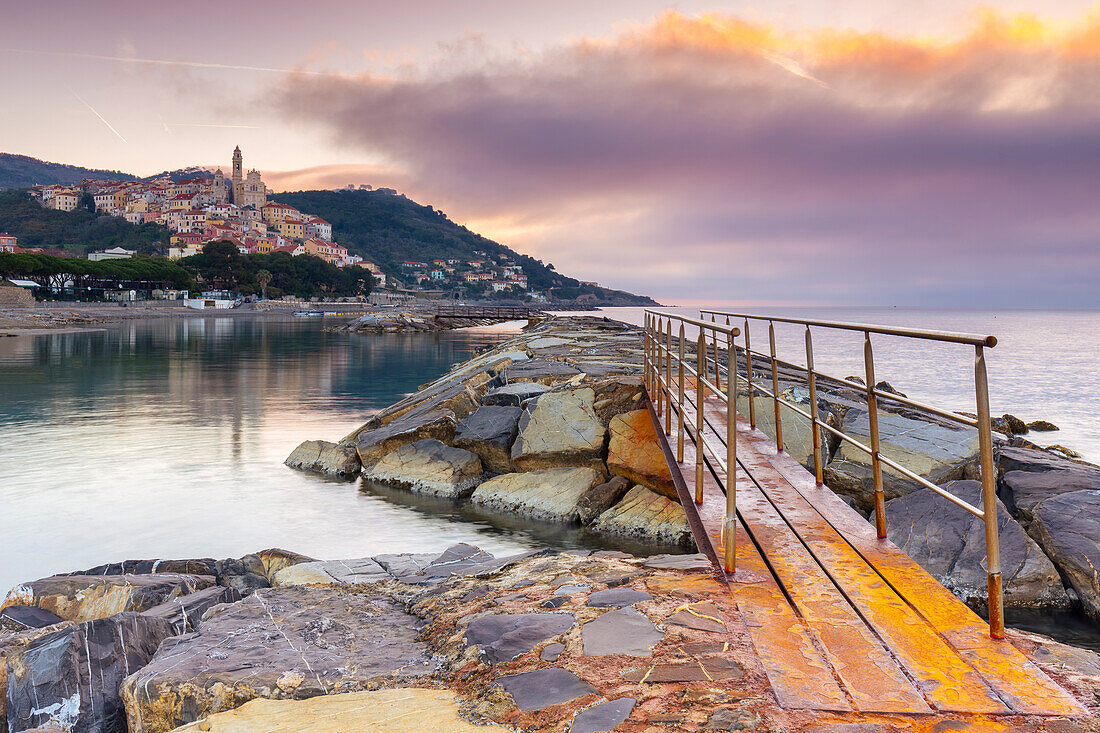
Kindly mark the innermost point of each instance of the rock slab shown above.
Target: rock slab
(276, 643)
(70, 678)
(551, 494)
(429, 467)
(489, 432)
(503, 637)
(542, 688)
(622, 631)
(325, 457)
(85, 597)
(1068, 528)
(645, 514)
(605, 716)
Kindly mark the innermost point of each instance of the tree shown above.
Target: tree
(263, 278)
(87, 201)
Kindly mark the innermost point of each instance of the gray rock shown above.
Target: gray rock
(603, 717)
(374, 444)
(84, 598)
(514, 395)
(735, 718)
(570, 589)
(489, 432)
(1009, 424)
(325, 457)
(257, 569)
(552, 494)
(184, 612)
(618, 597)
(331, 572)
(543, 371)
(276, 643)
(70, 678)
(949, 543)
(200, 566)
(429, 467)
(622, 631)
(505, 636)
(28, 617)
(1022, 491)
(551, 652)
(602, 497)
(1036, 459)
(936, 451)
(1067, 527)
(646, 515)
(697, 561)
(561, 430)
(542, 688)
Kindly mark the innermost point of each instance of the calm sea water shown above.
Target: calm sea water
(166, 438)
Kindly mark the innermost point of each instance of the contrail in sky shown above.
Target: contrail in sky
(163, 62)
(794, 67)
(231, 127)
(101, 118)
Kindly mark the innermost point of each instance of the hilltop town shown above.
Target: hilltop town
(239, 210)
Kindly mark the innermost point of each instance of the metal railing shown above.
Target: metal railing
(988, 512)
(670, 397)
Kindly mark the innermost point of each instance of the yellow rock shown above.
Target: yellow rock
(634, 452)
(401, 710)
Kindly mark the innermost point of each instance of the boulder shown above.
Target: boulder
(70, 678)
(514, 395)
(429, 467)
(797, 438)
(543, 371)
(276, 643)
(1009, 425)
(561, 430)
(27, 617)
(615, 395)
(10, 643)
(320, 455)
(331, 572)
(1067, 527)
(551, 494)
(936, 451)
(84, 597)
(185, 612)
(1022, 491)
(949, 542)
(200, 566)
(602, 497)
(634, 452)
(400, 710)
(374, 444)
(1036, 459)
(246, 574)
(503, 637)
(1042, 426)
(648, 516)
(489, 432)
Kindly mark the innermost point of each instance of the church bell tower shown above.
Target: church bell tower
(238, 171)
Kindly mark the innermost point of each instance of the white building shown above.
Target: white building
(115, 253)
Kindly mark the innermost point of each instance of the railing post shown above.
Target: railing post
(748, 376)
(775, 389)
(818, 468)
(717, 375)
(645, 353)
(701, 358)
(680, 411)
(872, 416)
(657, 364)
(668, 377)
(729, 528)
(989, 498)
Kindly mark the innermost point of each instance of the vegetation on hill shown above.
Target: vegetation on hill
(54, 272)
(221, 266)
(388, 229)
(21, 171)
(80, 231)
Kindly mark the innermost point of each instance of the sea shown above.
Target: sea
(166, 438)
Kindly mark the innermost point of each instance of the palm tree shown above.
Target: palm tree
(263, 277)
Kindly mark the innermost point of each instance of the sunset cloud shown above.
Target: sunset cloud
(735, 160)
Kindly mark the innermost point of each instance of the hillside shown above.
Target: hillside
(78, 231)
(21, 171)
(388, 229)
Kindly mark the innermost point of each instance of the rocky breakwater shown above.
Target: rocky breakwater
(409, 319)
(551, 425)
(457, 641)
(1049, 508)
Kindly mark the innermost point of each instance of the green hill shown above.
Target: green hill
(78, 231)
(21, 171)
(388, 228)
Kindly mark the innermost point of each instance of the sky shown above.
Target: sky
(860, 152)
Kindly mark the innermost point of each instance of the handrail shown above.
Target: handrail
(921, 333)
(988, 512)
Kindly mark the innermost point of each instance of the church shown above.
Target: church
(245, 192)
